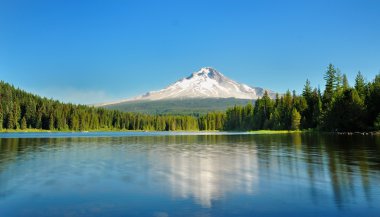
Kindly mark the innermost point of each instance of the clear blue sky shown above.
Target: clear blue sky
(95, 51)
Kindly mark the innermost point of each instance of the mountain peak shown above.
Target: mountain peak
(207, 72)
(205, 83)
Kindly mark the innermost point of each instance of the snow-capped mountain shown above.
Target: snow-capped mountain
(206, 83)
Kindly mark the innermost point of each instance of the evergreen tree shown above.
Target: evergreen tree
(307, 90)
(10, 121)
(347, 113)
(275, 120)
(345, 82)
(338, 83)
(296, 120)
(16, 114)
(23, 123)
(51, 122)
(328, 94)
(316, 103)
(377, 123)
(308, 112)
(360, 85)
(1, 120)
(287, 107)
(1, 114)
(38, 120)
(373, 101)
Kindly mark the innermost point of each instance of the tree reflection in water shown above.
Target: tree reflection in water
(205, 168)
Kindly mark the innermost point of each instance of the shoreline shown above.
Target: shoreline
(257, 132)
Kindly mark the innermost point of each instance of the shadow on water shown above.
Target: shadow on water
(206, 169)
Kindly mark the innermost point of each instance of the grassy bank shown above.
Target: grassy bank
(275, 131)
(62, 131)
(119, 130)
(24, 131)
(96, 130)
(283, 131)
(266, 132)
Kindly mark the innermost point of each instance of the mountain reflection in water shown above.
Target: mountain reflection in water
(206, 173)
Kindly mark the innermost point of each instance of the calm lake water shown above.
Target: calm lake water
(188, 174)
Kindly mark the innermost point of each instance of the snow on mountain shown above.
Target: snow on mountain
(206, 83)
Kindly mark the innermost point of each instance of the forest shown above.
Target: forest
(340, 108)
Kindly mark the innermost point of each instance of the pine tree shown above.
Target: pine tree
(16, 114)
(346, 114)
(345, 82)
(328, 94)
(286, 113)
(51, 122)
(23, 123)
(10, 121)
(1, 114)
(307, 90)
(296, 120)
(360, 85)
(1, 120)
(338, 83)
(372, 101)
(39, 120)
(317, 109)
(376, 123)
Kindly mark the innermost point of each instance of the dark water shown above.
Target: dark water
(156, 174)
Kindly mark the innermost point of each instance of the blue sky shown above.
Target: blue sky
(95, 51)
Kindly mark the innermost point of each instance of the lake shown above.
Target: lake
(188, 174)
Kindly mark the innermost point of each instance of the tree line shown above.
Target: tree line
(340, 107)
(22, 110)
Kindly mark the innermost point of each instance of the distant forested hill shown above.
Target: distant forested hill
(194, 106)
(22, 110)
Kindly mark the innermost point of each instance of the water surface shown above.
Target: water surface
(188, 174)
